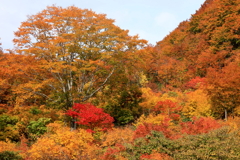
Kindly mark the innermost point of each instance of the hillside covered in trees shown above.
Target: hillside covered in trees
(76, 86)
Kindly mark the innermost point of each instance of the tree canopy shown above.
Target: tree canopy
(78, 49)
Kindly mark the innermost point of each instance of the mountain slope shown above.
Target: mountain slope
(207, 45)
(211, 38)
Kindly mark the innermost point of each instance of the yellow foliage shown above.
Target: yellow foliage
(197, 104)
(158, 156)
(117, 136)
(153, 119)
(63, 144)
(53, 127)
(9, 133)
(7, 146)
(173, 96)
(234, 123)
(150, 98)
(143, 78)
(237, 110)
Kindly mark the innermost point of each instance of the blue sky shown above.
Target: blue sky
(150, 19)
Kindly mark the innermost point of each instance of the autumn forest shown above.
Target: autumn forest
(78, 87)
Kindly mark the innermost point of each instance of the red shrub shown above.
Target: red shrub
(164, 127)
(200, 125)
(168, 107)
(91, 116)
(195, 83)
(113, 153)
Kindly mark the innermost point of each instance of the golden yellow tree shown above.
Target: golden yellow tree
(197, 104)
(79, 49)
(61, 143)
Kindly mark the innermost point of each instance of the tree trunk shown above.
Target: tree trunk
(73, 124)
(226, 115)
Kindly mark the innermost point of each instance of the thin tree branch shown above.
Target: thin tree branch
(100, 87)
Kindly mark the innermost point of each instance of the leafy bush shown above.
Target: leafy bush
(8, 128)
(117, 136)
(6, 120)
(218, 144)
(35, 111)
(146, 129)
(145, 146)
(90, 117)
(38, 128)
(126, 107)
(9, 155)
(64, 144)
(124, 116)
(200, 125)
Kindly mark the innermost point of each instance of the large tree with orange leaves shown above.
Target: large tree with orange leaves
(79, 49)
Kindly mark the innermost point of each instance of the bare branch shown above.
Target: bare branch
(37, 93)
(100, 87)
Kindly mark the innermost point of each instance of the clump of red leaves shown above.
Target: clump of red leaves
(91, 117)
(164, 127)
(168, 107)
(195, 83)
(112, 153)
(200, 125)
